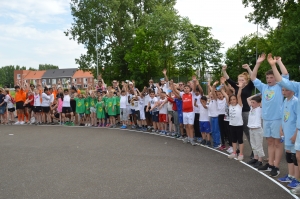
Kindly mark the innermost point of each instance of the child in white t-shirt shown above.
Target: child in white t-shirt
(153, 110)
(236, 122)
(204, 122)
(255, 130)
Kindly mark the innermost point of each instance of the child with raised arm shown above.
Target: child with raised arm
(255, 130)
(272, 100)
(295, 87)
(236, 122)
(213, 114)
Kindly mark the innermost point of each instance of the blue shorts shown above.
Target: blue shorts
(205, 127)
(81, 115)
(180, 118)
(2, 110)
(132, 111)
(272, 128)
(297, 142)
(155, 117)
(290, 148)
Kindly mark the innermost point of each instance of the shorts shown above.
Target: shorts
(147, 114)
(132, 111)
(73, 105)
(11, 110)
(188, 118)
(93, 109)
(20, 105)
(56, 115)
(155, 117)
(2, 110)
(81, 115)
(67, 110)
(205, 127)
(124, 114)
(163, 118)
(142, 114)
(137, 114)
(297, 142)
(290, 148)
(272, 128)
(180, 118)
(37, 109)
(45, 109)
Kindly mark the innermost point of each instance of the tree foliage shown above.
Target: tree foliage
(136, 39)
(47, 66)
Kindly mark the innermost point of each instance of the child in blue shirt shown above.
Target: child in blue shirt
(272, 100)
(295, 87)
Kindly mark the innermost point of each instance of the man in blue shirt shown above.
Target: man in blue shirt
(272, 100)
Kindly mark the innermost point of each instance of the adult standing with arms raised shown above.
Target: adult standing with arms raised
(243, 78)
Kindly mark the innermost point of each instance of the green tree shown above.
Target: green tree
(244, 52)
(47, 66)
(7, 75)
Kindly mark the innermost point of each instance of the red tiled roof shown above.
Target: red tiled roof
(35, 74)
(80, 74)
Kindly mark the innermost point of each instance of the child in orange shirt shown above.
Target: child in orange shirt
(20, 98)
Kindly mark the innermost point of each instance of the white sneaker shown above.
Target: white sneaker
(22, 122)
(86, 124)
(17, 122)
(229, 150)
(232, 156)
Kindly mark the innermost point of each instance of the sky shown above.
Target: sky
(32, 31)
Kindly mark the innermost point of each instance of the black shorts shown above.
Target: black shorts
(73, 105)
(147, 114)
(20, 105)
(67, 110)
(138, 115)
(46, 109)
(11, 110)
(37, 109)
(56, 115)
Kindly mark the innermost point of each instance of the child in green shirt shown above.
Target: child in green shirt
(93, 102)
(80, 108)
(100, 112)
(87, 103)
(111, 108)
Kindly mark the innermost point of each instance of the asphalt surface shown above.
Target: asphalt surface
(73, 162)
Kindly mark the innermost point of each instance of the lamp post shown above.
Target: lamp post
(97, 49)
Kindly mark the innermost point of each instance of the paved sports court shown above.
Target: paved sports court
(74, 162)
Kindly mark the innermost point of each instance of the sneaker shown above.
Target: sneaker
(22, 122)
(179, 138)
(230, 150)
(67, 123)
(253, 161)
(185, 140)
(199, 140)
(99, 125)
(286, 178)
(240, 157)
(208, 143)
(265, 167)
(162, 133)
(17, 123)
(293, 184)
(218, 146)
(71, 123)
(122, 127)
(232, 156)
(274, 172)
(222, 147)
(193, 143)
(86, 125)
(133, 127)
(257, 164)
(203, 142)
(296, 191)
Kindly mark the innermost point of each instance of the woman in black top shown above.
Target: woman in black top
(246, 92)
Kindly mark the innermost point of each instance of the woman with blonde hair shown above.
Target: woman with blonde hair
(243, 78)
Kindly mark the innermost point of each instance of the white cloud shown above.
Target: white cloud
(226, 17)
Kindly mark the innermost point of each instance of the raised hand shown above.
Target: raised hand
(245, 66)
(216, 82)
(164, 71)
(222, 80)
(278, 59)
(261, 58)
(271, 60)
(241, 85)
(224, 67)
(194, 78)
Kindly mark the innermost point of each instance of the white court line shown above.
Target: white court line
(271, 179)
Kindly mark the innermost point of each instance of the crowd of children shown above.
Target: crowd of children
(220, 118)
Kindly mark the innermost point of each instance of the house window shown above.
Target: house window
(34, 82)
(85, 86)
(74, 80)
(53, 81)
(44, 81)
(18, 76)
